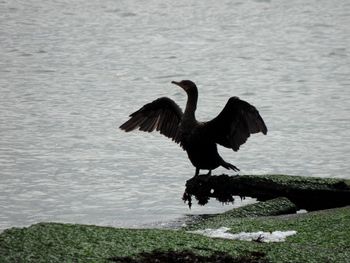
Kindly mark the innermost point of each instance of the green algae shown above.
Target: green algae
(52, 242)
(289, 178)
(273, 207)
(310, 183)
(322, 236)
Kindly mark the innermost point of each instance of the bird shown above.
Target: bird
(231, 128)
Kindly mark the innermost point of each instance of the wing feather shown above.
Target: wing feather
(163, 114)
(235, 123)
(153, 124)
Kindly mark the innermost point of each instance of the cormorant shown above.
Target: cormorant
(231, 128)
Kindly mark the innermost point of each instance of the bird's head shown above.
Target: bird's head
(186, 85)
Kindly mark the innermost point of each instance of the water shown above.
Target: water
(72, 71)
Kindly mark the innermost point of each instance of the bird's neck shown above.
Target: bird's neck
(191, 105)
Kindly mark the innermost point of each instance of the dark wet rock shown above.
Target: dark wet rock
(308, 193)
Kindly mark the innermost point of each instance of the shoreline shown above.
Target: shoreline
(318, 236)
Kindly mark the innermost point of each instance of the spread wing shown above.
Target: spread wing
(163, 114)
(232, 127)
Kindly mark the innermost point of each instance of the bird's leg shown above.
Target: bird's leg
(197, 172)
(209, 173)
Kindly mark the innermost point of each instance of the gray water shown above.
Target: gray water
(72, 71)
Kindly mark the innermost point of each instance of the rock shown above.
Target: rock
(308, 193)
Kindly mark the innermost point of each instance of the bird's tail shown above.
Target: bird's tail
(229, 166)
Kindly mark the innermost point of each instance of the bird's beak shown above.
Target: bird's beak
(178, 84)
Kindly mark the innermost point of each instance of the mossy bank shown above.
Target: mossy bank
(322, 236)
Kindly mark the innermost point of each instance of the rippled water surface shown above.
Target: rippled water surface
(71, 72)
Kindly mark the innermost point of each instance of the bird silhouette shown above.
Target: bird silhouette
(231, 128)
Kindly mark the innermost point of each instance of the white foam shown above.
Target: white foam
(275, 236)
(302, 211)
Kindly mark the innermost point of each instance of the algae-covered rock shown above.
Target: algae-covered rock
(306, 192)
(322, 236)
(273, 207)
